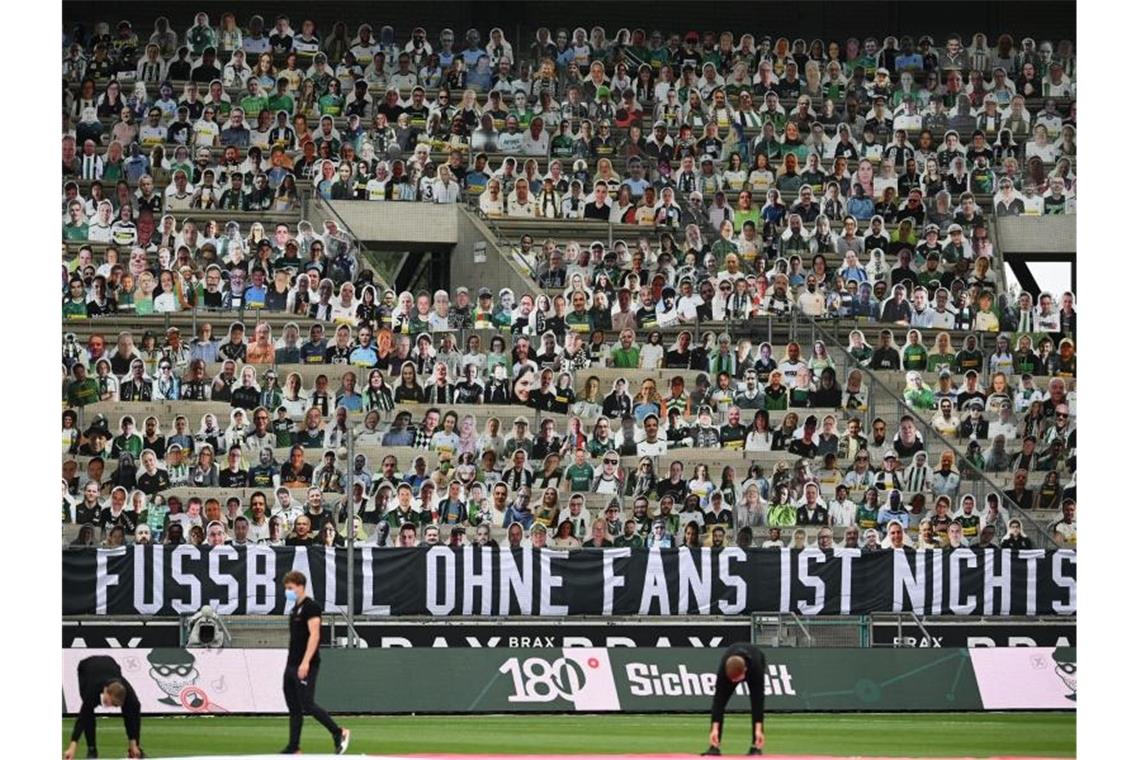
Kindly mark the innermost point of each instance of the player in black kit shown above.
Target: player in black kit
(741, 662)
(302, 665)
(101, 682)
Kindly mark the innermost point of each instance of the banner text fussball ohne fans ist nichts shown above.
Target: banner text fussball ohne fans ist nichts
(491, 581)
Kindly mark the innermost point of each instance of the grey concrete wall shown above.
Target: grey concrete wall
(495, 273)
(399, 224)
(420, 226)
(1037, 234)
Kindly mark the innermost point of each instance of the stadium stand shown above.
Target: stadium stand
(779, 250)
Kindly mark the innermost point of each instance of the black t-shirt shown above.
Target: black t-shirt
(677, 359)
(125, 520)
(757, 665)
(678, 490)
(227, 478)
(152, 484)
(246, 397)
(802, 448)
(303, 473)
(299, 618)
(593, 211)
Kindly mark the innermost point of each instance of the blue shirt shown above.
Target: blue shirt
(471, 57)
(513, 515)
(254, 296)
(353, 402)
(637, 187)
(363, 357)
(403, 437)
(861, 208)
(886, 515)
(904, 61)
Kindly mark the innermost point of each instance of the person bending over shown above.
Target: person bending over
(101, 682)
(740, 662)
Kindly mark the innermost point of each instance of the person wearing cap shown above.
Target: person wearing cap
(659, 144)
(482, 314)
(931, 244)
(974, 426)
(889, 478)
(1026, 459)
(1056, 83)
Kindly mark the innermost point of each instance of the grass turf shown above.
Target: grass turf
(917, 735)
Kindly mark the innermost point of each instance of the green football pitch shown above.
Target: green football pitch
(918, 735)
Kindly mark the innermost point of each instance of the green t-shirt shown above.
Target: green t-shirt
(930, 280)
(781, 516)
(740, 217)
(253, 105)
(131, 443)
(74, 310)
(83, 393)
(579, 323)
(939, 362)
(156, 518)
(967, 360)
(75, 232)
(562, 146)
(330, 105)
(598, 448)
(721, 248)
(281, 103)
(396, 518)
(914, 357)
(866, 517)
(580, 478)
(626, 358)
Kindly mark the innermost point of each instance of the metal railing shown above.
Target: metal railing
(311, 203)
(791, 629)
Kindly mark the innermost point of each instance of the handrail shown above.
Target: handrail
(918, 623)
(353, 637)
(501, 241)
(929, 432)
(803, 628)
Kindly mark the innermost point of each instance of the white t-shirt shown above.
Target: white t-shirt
(205, 133)
(376, 189)
(651, 355)
(842, 513)
(510, 142)
(448, 193)
(647, 449)
(532, 146)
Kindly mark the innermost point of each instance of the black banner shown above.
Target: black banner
(87, 633)
(1057, 632)
(449, 633)
(537, 633)
(442, 581)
